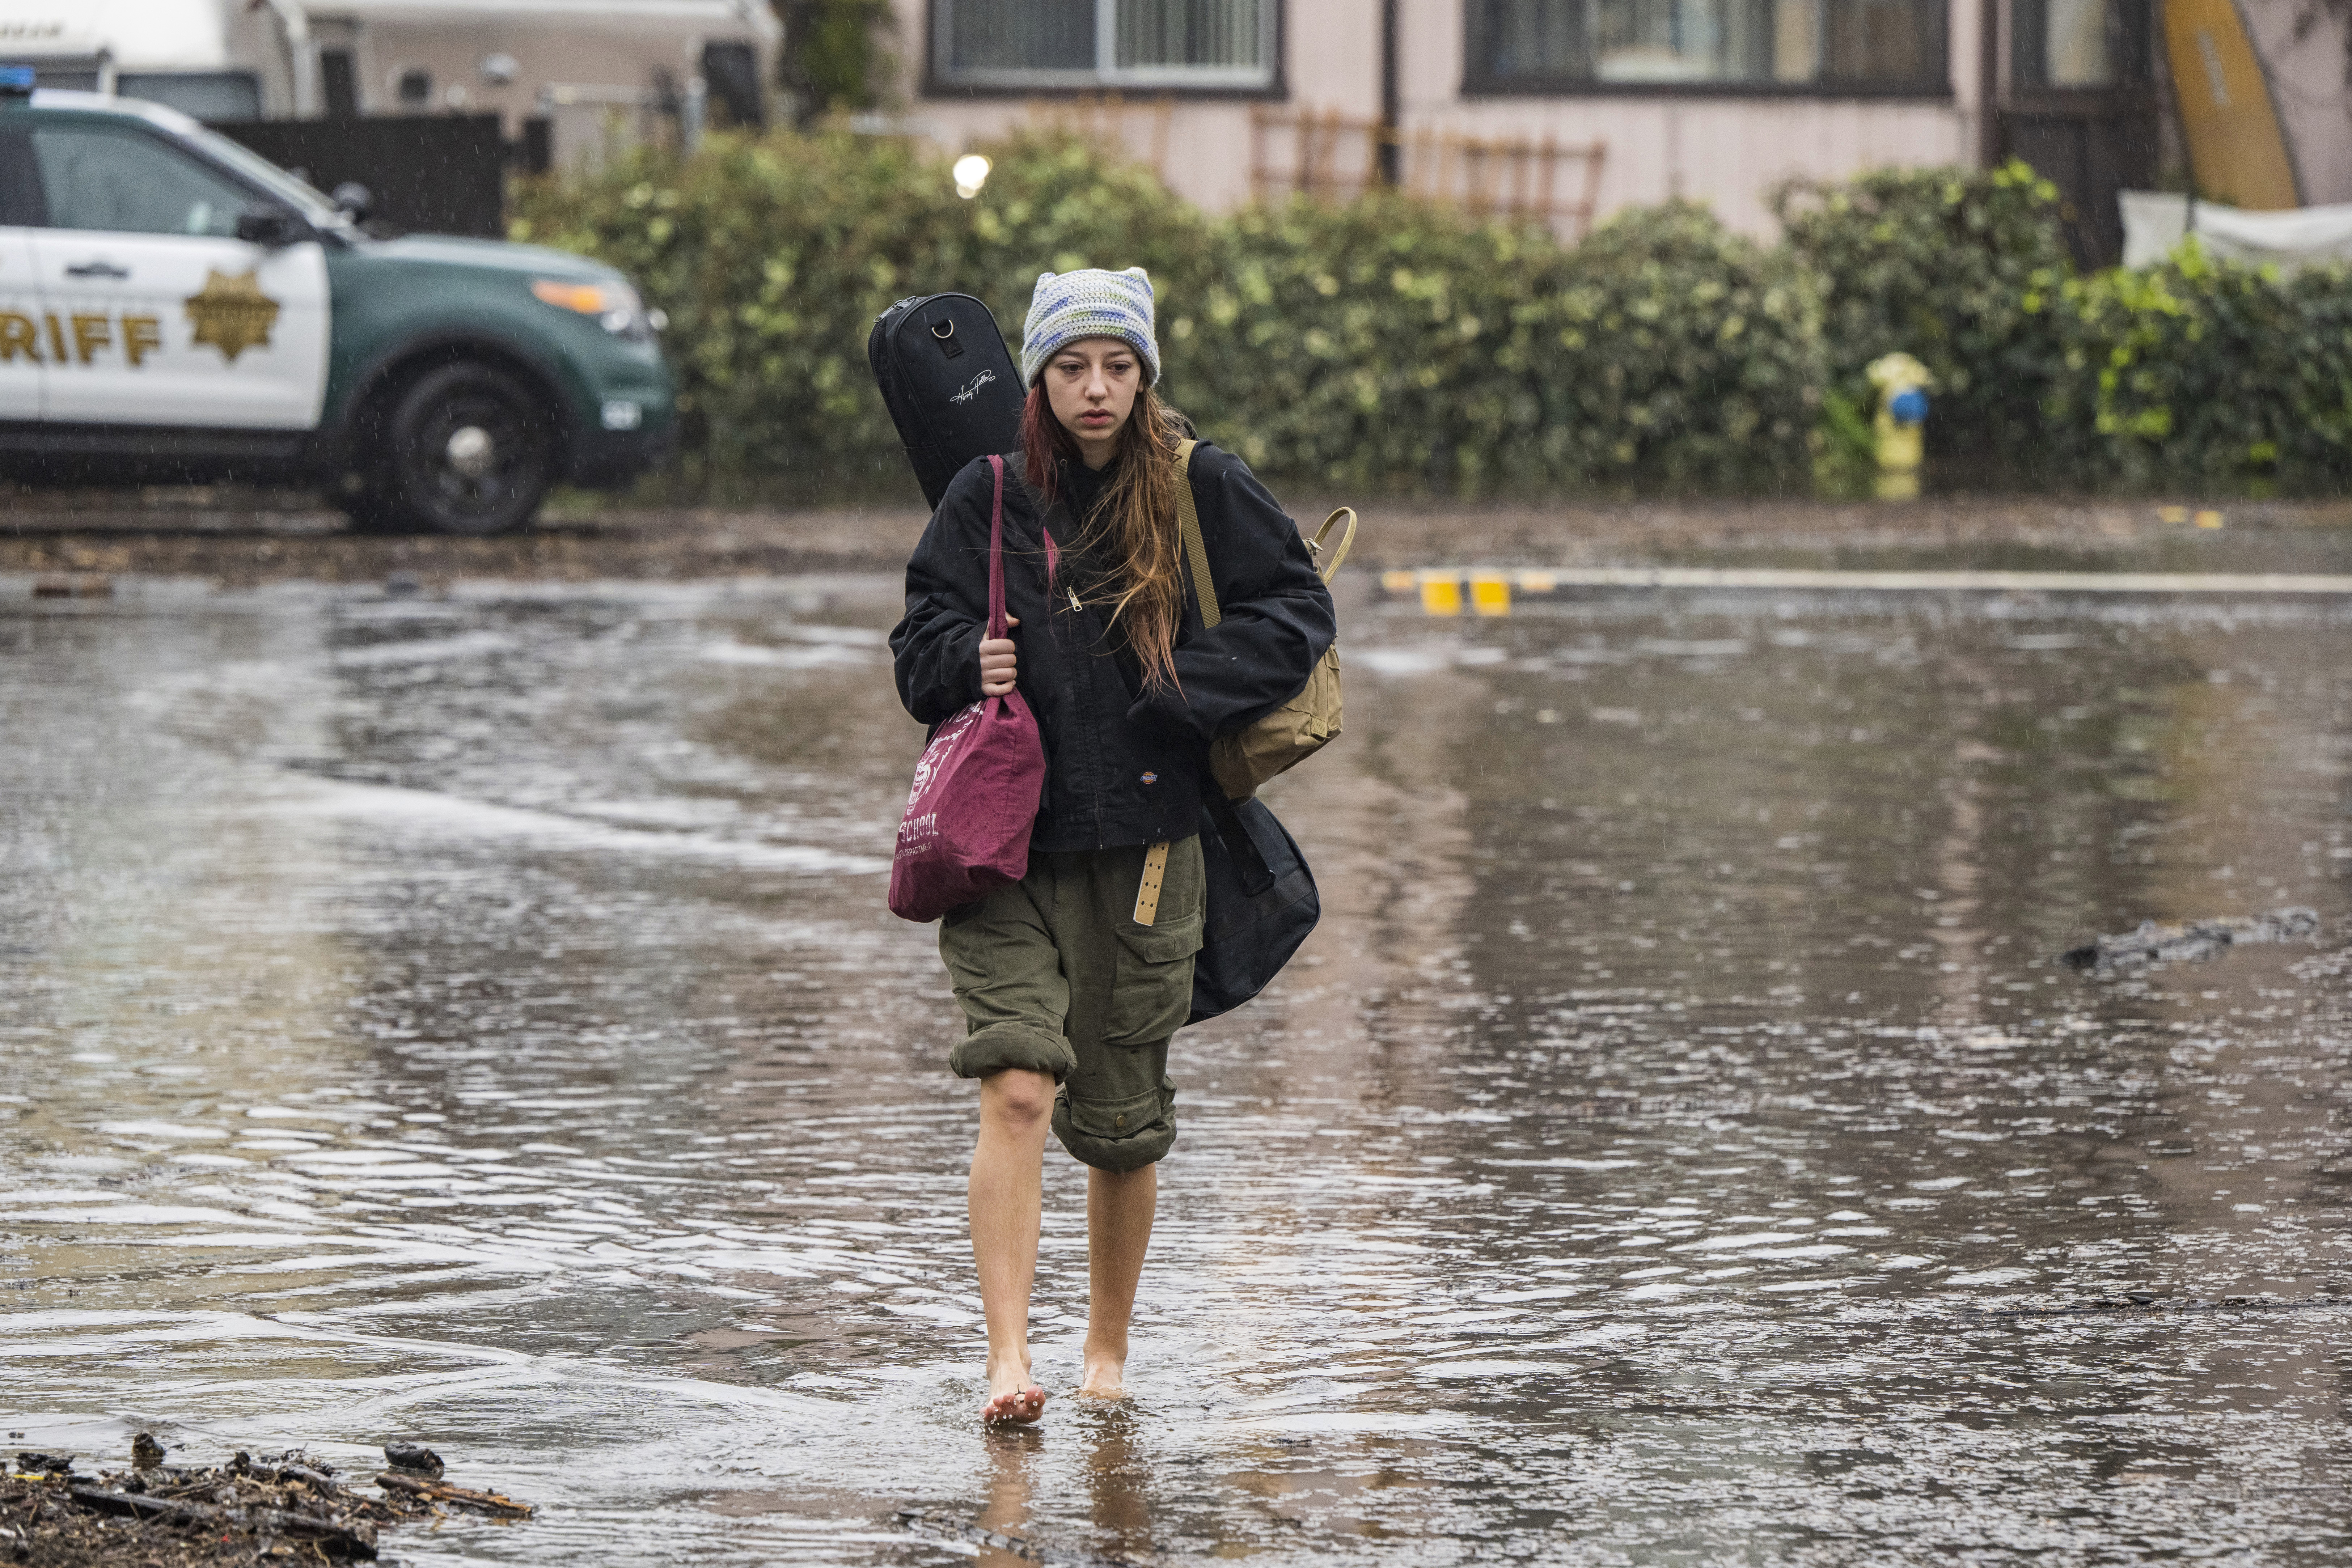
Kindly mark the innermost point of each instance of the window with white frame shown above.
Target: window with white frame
(1825, 46)
(1154, 44)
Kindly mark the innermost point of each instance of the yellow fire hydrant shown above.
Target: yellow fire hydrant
(1902, 382)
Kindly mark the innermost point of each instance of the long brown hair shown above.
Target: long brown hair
(1136, 518)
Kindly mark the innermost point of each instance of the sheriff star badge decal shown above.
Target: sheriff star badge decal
(232, 314)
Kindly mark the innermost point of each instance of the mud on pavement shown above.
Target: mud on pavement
(240, 537)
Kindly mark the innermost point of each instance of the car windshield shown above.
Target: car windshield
(320, 209)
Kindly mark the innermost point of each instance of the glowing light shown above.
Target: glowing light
(971, 173)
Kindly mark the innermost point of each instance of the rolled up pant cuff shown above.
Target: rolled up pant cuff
(1116, 1136)
(998, 1045)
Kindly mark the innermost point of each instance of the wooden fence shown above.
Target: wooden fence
(1328, 154)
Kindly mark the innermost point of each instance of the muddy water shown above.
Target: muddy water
(474, 1020)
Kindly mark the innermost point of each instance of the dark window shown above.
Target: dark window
(339, 84)
(126, 182)
(1121, 43)
(20, 191)
(203, 95)
(732, 72)
(416, 90)
(2078, 43)
(1822, 45)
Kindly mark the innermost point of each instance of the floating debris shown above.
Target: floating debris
(413, 1457)
(281, 1506)
(488, 1502)
(74, 588)
(2155, 944)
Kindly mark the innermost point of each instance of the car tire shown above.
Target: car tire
(469, 448)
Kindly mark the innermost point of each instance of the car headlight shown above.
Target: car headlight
(615, 306)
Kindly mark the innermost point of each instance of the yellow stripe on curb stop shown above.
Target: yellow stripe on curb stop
(1443, 591)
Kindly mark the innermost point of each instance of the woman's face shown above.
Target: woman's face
(1091, 385)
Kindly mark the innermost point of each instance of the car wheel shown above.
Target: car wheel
(469, 449)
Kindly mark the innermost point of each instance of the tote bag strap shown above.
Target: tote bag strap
(997, 626)
(1196, 548)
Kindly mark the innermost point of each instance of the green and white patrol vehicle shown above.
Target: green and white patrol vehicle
(174, 307)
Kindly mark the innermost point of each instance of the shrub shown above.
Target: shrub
(773, 255)
(1361, 344)
(2207, 373)
(1958, 267)
(1673, 350)
(1389, 343)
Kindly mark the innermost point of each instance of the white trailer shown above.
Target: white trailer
(575, 61)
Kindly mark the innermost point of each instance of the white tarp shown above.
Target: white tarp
(2157, 221)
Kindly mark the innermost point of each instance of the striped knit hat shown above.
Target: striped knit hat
(1089, 303)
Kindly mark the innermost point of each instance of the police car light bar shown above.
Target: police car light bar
(15, 82)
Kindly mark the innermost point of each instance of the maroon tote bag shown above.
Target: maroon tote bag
(976, 791)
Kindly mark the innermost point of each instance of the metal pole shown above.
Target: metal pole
(301, 59)
(1390, 154)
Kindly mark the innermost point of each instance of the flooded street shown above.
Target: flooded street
(474, 1019)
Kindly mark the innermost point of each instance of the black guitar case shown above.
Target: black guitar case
(948, 382)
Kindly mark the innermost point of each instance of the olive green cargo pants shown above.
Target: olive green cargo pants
(1055, 974)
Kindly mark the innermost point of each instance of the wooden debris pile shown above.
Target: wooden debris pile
(275, 1508)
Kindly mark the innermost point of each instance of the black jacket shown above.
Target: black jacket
(1123, 766)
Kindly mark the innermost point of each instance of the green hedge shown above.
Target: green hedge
(1385, 342)
(1389, 344)
(2212, 374)
(2193, 373)
(774, 257)
(1674, 350)
(1955, 268)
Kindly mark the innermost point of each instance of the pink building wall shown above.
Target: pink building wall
(1726, 151)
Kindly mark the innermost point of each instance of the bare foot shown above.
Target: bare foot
(1014, 1407)
(1012, 1399)
(1106, 1376)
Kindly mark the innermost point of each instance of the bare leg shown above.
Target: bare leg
(1007, 1194)
(1119, 1232)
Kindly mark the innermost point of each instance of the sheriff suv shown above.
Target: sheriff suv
(174, 307)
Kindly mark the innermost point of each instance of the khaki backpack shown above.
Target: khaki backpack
(1308, 722)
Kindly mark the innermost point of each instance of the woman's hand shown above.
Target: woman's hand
(996, 663)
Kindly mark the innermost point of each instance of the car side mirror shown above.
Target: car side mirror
(271, 226)
(355, 198)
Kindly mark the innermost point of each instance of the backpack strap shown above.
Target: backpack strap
(1196, 548)
(1330, 569)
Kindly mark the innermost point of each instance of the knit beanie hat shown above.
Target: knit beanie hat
(1089, 303)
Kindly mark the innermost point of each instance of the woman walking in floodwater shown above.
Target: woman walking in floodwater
(1073, 980)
